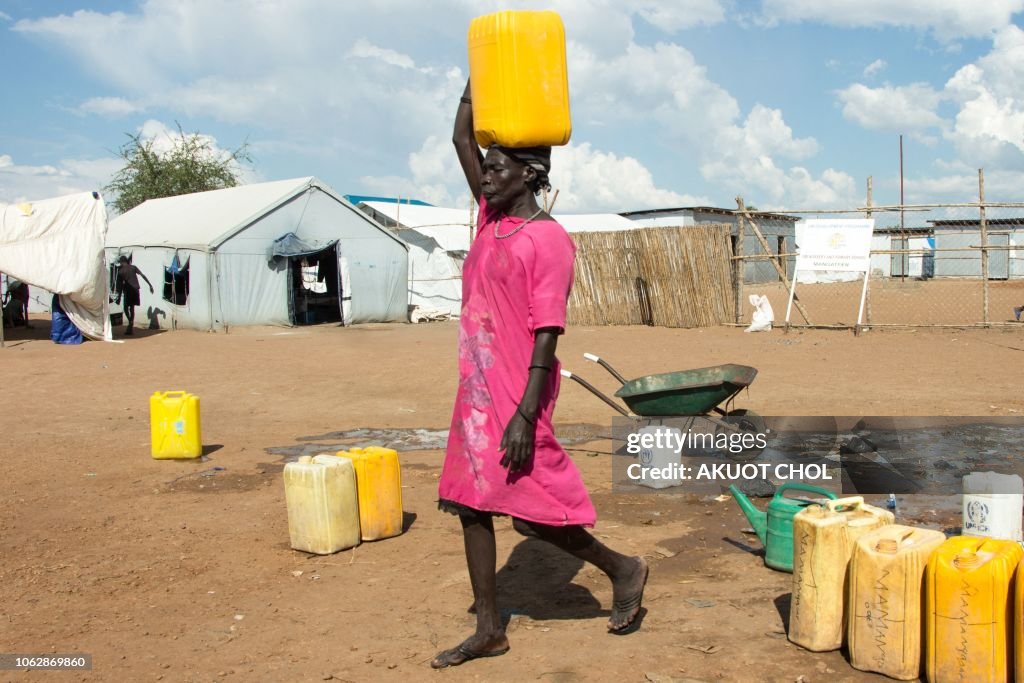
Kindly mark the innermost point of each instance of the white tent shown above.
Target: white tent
(277, 253)
(57, 245)
(438, 240)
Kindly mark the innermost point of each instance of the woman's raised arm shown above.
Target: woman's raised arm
(465, 144)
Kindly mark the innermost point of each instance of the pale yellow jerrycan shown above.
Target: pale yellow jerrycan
(823, 540)
(886, 599)
(968, 610)
(518, 78)
(323, 507)
(379, 478)
(174, 425)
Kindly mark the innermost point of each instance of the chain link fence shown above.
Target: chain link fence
(955, 265)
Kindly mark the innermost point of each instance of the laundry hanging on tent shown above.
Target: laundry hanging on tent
(311, 278)
(176, 281)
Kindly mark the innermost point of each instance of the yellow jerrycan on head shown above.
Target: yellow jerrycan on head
(379, 480)
(823, 540)
(519, 80)
(968, 617)
(174, 425)
(884, 623)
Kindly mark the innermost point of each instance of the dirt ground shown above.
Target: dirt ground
(170, 570)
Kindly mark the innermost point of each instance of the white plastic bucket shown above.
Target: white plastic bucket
(659, 464)
(992, 505)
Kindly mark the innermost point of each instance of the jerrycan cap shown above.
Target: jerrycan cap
(305, 459)
(967, 559)
(887, 546)
(891, 546)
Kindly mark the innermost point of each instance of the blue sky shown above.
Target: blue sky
(789, 103)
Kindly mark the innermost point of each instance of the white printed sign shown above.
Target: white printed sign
(835, 245)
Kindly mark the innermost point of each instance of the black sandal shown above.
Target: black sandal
(447, 658)
(621, 607)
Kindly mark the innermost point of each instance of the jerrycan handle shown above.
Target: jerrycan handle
(846, 503)
(800, 486)
(172, 394)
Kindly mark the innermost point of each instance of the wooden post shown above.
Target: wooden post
(868, 213)
(984, 246)
(741, 266)
(774, 260)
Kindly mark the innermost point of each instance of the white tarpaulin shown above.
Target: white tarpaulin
(57, 245)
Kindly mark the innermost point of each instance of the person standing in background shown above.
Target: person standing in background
(128, 288)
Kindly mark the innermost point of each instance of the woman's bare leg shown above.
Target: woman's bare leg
(481, 557)
(628, 574)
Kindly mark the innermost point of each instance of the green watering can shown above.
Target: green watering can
(775, 527)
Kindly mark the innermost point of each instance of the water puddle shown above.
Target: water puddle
(408, 440)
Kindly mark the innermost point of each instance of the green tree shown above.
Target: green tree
(191, 165)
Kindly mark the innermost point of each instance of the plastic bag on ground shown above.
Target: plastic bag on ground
(763, 316)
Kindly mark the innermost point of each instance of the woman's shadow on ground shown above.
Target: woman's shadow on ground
(536, 582)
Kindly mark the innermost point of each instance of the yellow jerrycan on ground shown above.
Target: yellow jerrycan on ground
(174, 425)
(886, 603)
(379, 480)
(823, 540)
(968, 629)
(323, 508)
(518, 79)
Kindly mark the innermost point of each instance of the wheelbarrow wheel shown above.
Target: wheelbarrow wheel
(749, 422)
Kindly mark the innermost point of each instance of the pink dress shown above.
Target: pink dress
(511, 287)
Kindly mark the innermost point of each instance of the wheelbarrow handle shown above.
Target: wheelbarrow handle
(589, 387)
(604, 364)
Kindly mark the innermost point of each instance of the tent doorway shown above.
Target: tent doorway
(315, 287)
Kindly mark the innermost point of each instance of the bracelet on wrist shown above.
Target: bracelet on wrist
(466, 100)
(524, 416)
(540, 367)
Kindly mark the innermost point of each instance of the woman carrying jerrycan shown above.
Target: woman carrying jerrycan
(502, 455)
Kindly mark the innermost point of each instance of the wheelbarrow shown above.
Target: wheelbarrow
(686, 393)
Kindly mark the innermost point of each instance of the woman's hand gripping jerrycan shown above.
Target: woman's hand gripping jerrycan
(774, 528)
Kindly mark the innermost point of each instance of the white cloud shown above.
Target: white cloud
(586, 180)
(946, 18)
(387, 88)
(21, 182)
(365, 49)
(4, 16)
(986, 129)
(592, 180)
(1000, 185)
(672, 16)
(905, 108)
(874, 67)
(109, 106)
(664, 83)
(989, 126)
